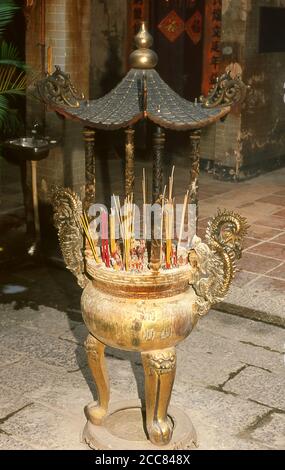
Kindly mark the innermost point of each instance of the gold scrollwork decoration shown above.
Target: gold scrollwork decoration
(57, 89)
(67, 212)
(226, 92)
(216, 260)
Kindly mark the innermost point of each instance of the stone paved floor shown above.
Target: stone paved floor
(230, 377)
(260, 283)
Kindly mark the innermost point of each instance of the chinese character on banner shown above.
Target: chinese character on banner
(172, 26)
(212, 43)
(216, 46)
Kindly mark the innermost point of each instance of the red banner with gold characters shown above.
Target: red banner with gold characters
(212, 43)
(172, 26)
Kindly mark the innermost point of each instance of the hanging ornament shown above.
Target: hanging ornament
(172, 26)
(194, 26)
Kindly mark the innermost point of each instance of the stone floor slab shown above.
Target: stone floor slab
(276, 287)
(68, 393)
(27, 375)
(78, 334)
(272, 431)
(228, 353)
(43, 347)
(272, 221)
(258, 334)
(209, 438)
(261, 386)
(8, 357)
(262, 233)
(242, 278)
(270, 250)
(278, 272)
(46, 428)
(259, 301)
(255, 263)
(11, 400)
(217, 409)
(9, 443)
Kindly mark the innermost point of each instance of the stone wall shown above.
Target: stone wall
(253, 134)
(108, 45)
(263, 119)
(67, 28)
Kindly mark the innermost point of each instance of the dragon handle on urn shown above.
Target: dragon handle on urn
(67, 212)
(215, 262)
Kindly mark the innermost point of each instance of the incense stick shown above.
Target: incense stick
(171, 180)
(89, 236)
(144, 205)
(183, 218)
(162, 219)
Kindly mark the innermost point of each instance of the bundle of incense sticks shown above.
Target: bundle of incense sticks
(84, 223)
(134, 251)
(126, 222)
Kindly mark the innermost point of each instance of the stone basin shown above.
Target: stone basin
(28, 148)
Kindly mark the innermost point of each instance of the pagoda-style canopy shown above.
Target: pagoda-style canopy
(142, 94)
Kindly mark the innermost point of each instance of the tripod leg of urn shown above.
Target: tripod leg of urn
(97, 363)
(159, 368)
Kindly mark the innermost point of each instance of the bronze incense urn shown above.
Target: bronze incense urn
(145, 306)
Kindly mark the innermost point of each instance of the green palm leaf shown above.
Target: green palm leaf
(12, 73)
(7, 11)
(9, 55)
(9, 118)
(12, 84)
(11, 81)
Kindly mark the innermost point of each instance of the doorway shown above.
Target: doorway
(177, 27)
(187, 38)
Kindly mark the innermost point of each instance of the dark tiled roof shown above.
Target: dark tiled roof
(126, 104)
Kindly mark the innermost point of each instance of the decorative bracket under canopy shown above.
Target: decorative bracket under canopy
(57, 89)
(226, 92)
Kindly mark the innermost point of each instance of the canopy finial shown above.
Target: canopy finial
(143, 57)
